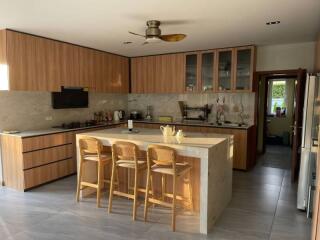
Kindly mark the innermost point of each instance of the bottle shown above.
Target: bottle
(130, 125)
(222, 118)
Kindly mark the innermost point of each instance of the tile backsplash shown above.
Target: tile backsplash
(29, 110)
(167, 104)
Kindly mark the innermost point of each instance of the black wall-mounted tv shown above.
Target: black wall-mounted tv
(70, 98)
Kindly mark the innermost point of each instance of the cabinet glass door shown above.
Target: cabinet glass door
(207, 63)
(243, 71)
(191, 73)
(225, 70)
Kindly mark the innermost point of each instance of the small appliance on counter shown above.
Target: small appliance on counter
(118, 115)
(135, 115)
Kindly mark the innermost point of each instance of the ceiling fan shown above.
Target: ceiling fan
(153, 34)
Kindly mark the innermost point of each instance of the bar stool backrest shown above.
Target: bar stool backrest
(122, 150)
(90, 146)
(162, 156)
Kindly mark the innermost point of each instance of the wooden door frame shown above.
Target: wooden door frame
(292, 73)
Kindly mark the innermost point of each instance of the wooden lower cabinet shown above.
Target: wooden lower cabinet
(31, 161)
(244, 141)
(39, 175)
(38, 158)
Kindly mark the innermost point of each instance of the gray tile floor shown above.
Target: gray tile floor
(277, 156)
(262, 207)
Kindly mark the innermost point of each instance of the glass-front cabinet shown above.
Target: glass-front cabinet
(207, 71)
(221, 70)
(225, 69)
(191, 73)
(244, 68)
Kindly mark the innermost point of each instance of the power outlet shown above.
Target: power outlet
(48, 118)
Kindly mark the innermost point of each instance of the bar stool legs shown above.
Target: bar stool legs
(174, 188)
(113, 172)
(135, 193)
(99, 181)
(79, 180)
(190, 191)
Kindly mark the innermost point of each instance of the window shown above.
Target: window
(277, 102)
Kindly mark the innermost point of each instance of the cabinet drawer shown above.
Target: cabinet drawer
(45, 156)
(39, 175)
(37, 143)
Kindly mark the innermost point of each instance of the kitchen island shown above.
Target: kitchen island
(209, 154)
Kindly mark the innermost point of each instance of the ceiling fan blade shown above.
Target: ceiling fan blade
(176, 22)
(172, 37)
(140, 35)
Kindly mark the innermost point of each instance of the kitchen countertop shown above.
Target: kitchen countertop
(35, 133)
(194, 123)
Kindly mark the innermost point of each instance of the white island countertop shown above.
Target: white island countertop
(146, 135)
(214, 151)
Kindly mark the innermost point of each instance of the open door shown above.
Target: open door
(297, 125)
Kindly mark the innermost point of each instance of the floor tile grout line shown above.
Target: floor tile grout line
(275, 212)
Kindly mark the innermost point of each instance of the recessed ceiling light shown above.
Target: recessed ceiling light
(127, 42)
(273, 22)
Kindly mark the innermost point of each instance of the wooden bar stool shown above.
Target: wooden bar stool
(91, 151)
(162, 160)
(126, 155)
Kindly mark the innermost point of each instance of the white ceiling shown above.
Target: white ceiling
(104, 24)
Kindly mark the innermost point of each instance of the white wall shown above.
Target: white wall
(286, 56)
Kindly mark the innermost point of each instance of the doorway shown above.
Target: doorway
(279, 112)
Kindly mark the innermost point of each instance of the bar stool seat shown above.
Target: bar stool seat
(181, 168)
(93, 157)
(131, 164)
(91, 150)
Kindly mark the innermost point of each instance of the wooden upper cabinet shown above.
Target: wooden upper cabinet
(119, 72)
(225, 72)
(103, 72)
(90, 64)
(244, 65)
(158, 74)
(208, 70)
(21, 61)
(221, 70)
(48, 58)
(143, 72)
(192, 77)
(70, 65)
(32, 63)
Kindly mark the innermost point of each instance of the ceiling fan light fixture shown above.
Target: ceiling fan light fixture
(153, 39)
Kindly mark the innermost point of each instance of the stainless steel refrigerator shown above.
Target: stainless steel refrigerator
(308, 144)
